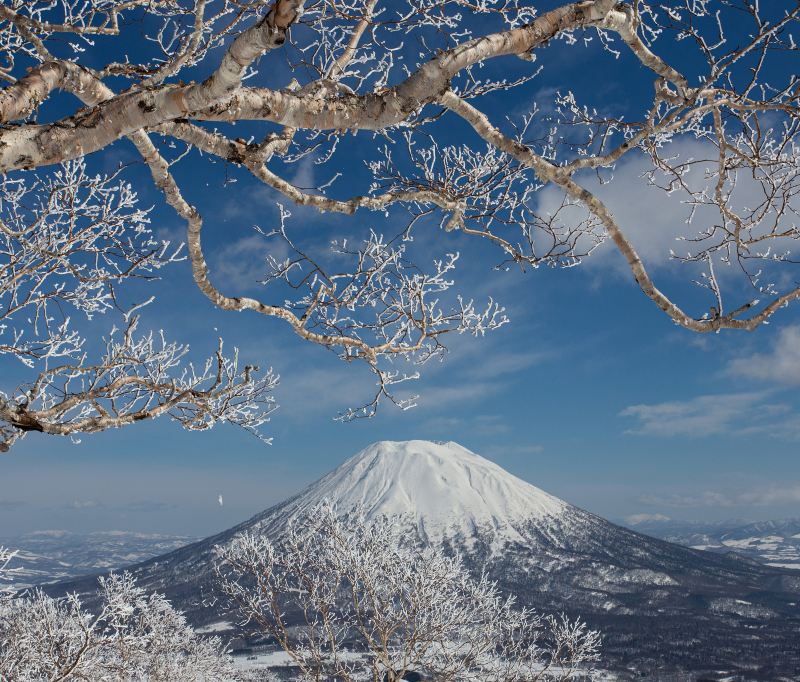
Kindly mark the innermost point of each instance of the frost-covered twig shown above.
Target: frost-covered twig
(376, 306)
(68, 241)
(138, 377)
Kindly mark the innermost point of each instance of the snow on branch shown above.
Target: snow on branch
(6, 576)
(71, 240)
(444, 130)
(68, 239)
(138, 377)
(377, 306)
(497, 199)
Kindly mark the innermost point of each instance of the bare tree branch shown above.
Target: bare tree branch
(409, 74)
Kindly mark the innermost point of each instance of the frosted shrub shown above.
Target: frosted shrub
(371, 606)
(134, 637)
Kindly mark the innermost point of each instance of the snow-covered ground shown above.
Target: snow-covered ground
(280, 664)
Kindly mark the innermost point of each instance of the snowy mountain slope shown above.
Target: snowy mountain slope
(661, 606)
(447, 490)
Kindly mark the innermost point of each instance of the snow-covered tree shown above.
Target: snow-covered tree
(372, 605)
(6, 574)
(69, 240)
(446, 141)
(134, 637)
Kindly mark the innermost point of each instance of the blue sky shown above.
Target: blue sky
(590, 393)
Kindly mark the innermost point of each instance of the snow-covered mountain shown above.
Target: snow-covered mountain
(662, 607)
(447, 490)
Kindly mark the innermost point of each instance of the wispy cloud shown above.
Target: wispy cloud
(304, 175)
(636, 519)
(432, 397)
(83, 504)
(757, 497)
(259, 205)
(480, 425)
(765, 412)
(241, 264)
(497, 364)
(333, 387)
(173, 233)
(473, 369)
(11, 504)
(704, 415)
(654, 222)
(780, 364)
(524, 450)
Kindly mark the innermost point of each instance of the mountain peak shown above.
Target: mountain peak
(444, 487)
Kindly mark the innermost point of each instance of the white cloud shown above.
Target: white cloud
(704, 415)
(433, 397)
(481, 425)
(496, 364)
(650, 218)
(304, 175)
(657, 222)
(763, 496)
(471, 370)
(83, 504)
(174, 234)
(258, 204)
(636, 519)
(314, 391)
(780, 364)
(241, 264)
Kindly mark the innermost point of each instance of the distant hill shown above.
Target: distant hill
(774, 543)
(51, 555)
